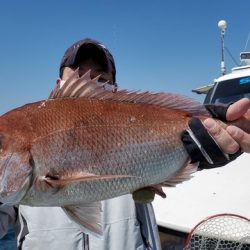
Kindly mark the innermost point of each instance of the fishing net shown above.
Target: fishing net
(220, 232)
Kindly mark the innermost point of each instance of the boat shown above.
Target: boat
(215, 191)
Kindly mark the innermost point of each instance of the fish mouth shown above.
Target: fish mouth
(10, 193)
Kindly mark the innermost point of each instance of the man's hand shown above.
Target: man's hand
(232, 138)
(212, 143)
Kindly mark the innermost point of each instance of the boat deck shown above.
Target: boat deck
(210, 192)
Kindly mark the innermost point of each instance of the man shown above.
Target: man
(8, 222)
(126, 225)
(232, 138)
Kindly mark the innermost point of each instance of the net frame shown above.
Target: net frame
(240, 242)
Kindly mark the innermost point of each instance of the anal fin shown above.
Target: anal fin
(183, 174)
(88, 216)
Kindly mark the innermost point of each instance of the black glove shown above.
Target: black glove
(201, 147)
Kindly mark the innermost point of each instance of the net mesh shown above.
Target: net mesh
(220, 232)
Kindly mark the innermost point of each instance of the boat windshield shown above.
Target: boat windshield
(231, 90)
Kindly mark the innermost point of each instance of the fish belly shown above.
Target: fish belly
(118, 171)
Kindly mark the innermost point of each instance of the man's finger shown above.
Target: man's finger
(240, 137)
(238, 109)
(221, 136)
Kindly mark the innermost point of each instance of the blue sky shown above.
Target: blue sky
(160, 45)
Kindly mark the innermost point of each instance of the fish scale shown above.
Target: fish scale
(144, 151)
(73, 151)
(138, 155)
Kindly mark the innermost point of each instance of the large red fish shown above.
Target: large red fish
(85, 144)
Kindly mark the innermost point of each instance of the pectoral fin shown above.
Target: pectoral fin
(88, 216)
(60, 181)
(55, 182)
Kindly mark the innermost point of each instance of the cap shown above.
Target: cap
(88, 47)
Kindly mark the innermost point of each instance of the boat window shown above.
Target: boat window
(208, 95)
(231, 90)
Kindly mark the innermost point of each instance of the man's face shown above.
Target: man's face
(89, 64)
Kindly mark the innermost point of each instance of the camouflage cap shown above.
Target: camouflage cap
(88, 47)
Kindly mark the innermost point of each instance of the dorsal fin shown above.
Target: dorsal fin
(86, 87)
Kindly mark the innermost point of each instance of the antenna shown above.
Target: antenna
(247, 41)
(222, 24)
